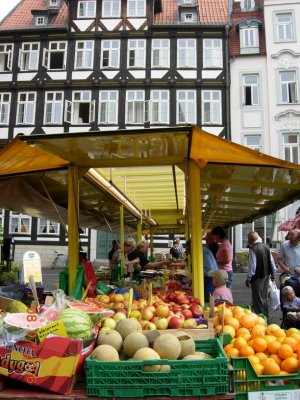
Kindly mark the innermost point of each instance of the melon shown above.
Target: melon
(133, 342)
(187, 343)
(146, 353)
(77, 323)
(127, 326)
(105, 352)
(167, 346)
(110, 337)
(16, 306)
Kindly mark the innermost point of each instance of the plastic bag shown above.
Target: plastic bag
(275, 296)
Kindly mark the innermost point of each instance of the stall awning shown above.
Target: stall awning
(149, 168)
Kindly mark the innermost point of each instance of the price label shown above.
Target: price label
(56, 327)
(275, 395)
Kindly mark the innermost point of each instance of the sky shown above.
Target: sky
(6, 6)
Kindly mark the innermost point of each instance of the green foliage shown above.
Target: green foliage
(245, 257)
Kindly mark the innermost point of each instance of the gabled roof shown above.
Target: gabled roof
(21, 17)
(211, 12)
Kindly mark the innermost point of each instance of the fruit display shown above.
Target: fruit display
(270, 349)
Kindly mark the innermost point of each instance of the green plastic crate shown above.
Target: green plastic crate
(246, 380)
(186, 378)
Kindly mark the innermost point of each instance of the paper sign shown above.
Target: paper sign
(150, 293)
(130, 301)
(57, 328)
(275, 395)
(32, 267)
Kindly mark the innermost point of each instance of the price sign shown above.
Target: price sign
(275, 395)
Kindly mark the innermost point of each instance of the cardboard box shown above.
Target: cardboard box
(51, 365)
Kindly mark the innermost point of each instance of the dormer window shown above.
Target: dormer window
(187, 11)
(247, 5)
(53, 3)
(40, 21)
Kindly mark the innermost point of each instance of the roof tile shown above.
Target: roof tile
(21, 18)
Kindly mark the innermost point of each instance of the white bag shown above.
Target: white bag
(275, 296)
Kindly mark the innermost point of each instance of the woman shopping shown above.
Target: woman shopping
(224, 254)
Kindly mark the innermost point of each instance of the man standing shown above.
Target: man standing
(261, 267)
(289, 254)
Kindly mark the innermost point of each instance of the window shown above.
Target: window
(108, 106)
(188, 17)
(19, 223)
(54, 3)
(81, 110)
(249, 42)
(53, 108)
(110, 54)
(212, 53)
(86, 9)
(291, 147)
(48, 227)
(29, 56)
(1, 221)
(26, 108)
(136, 53)
(250, 90)
(136, 8)
(186, 53)
(288, 87)
(186, 106)
(247, 5)
(161, 53)
(84, 54)
(6, 53)
(55, 57)
(135, 107)
(41, 21)
(159, 107)
(211, 107)
(111, 8)
(4, 108)
(253, 142)
(284, 26)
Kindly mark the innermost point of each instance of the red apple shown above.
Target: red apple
(187, 314)
(175, 322)
(154, 319)
(185, 306)
(171, 296)
(196, 312)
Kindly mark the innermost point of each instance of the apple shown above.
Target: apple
(147, 314)
(117, 305)
(154, 319)
(171, 296)
(118, 297)
(185, 306)
(152, 308)
(162, 323)
(196, 312)
(119, 315)
(122, 310)
(126, 296)
(175, 322)
(109, 323)
(187, 313)
(162, 310)
(150, 326)
(103, 298)
(189, 323)
(142, 304)
(135, 314)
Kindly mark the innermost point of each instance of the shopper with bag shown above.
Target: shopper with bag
(261, 268)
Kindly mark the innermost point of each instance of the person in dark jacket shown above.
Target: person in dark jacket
(261, 268)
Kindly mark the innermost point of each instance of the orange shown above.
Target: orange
(246, 351)
(292, 330)
(290, 364)
(226, 311)
(270, 367)
(243, 331)
(272, 328)
(291, 341)
(258, 368)
(237, 311)
(248, 320)
(261, 320)
(259, 344)
(232, 353)
(279, 333)
(253, 359)
(230, 330)
(261, 356)
(296, 336)
(228, 347)
(273, 347)
(270, 338)
(285, 351)
(240, 342)
(276, 358)
(215, 321)
(258, 331)
(232, 322)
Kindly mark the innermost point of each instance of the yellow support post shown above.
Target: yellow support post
(73, 228)
(122, 238)
(151, 244)
(139, 230)
(196, 231)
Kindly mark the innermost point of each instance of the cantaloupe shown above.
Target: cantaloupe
(127, 326)
(77, 323)
(105, 352)
(133, 342)
(187, 343)
(167, 346)
(111, 337)
(146, 353)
